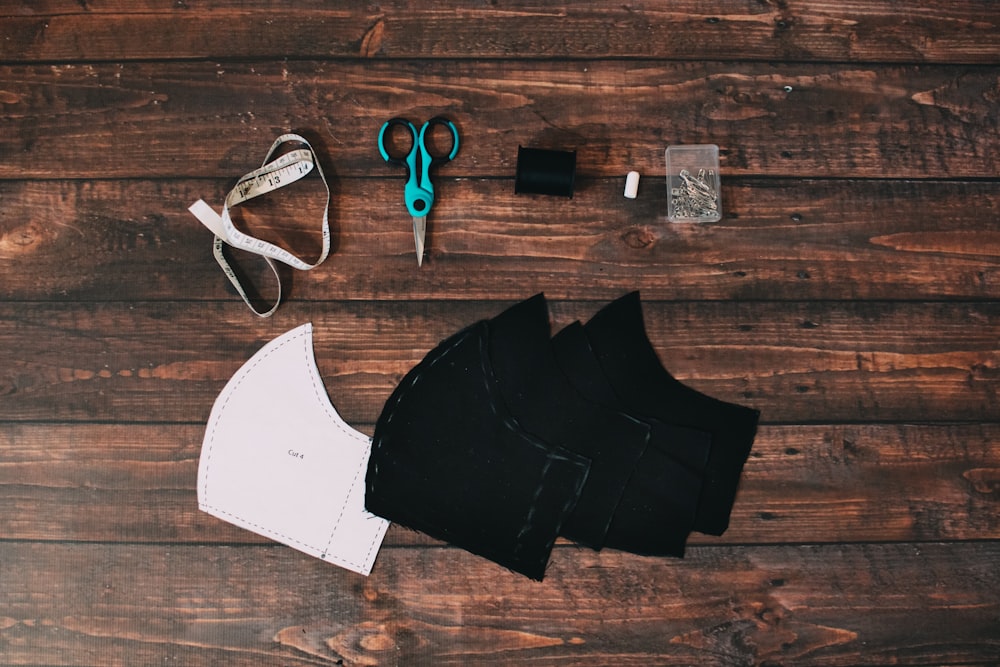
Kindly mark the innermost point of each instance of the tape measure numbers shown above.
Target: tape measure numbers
(280, 172)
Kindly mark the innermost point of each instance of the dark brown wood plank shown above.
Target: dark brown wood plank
(797, 362)
(813, 605)
(851, 292)
(802, 484)
(957, 31)
(780, 239)
(143, 120)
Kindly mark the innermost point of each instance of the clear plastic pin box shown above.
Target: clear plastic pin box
(693, 183)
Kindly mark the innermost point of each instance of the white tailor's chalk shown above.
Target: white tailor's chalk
(632, 184)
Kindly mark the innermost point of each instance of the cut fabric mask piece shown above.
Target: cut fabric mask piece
(278, 460)
(659, 501)
(503, 438)
(449, 459)
(545, 404)
(617, 335)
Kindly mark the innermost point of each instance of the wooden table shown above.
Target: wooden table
(849, 293)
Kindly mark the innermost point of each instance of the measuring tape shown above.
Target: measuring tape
(282, 171)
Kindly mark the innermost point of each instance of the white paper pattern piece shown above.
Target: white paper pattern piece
(278, 460)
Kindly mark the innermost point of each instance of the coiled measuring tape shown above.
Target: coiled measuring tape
(273, 174)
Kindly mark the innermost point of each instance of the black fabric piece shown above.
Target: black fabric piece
(449, 460)
(617, 335)
(545, 404)
(503, 438)
(660, 500)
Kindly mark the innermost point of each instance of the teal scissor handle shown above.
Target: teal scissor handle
(419, 191)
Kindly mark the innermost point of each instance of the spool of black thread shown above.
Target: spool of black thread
(545, 172)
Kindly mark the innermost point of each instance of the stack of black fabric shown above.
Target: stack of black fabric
(504, 438)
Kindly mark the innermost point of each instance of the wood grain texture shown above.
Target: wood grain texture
(135, 483)
(851, 292)
(810, 605)
(780, 239)
(797, 363)
(800, 30)
(188, 119)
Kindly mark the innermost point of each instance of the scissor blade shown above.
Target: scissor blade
(419, 233)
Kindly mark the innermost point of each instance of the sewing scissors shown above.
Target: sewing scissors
(419, 191)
